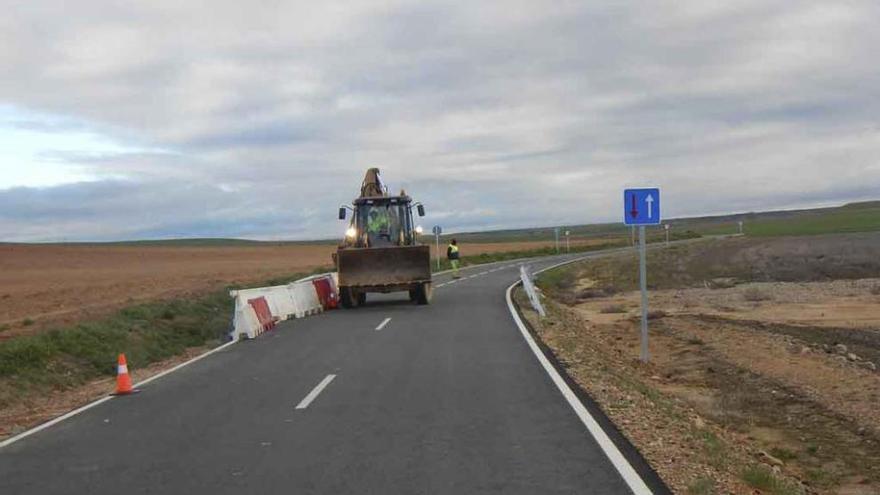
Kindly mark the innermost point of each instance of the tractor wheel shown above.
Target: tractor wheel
(345, 297)
(424, 293)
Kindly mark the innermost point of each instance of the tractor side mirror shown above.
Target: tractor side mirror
(421, 209)
(342, 213)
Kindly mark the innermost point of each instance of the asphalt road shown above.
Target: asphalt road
(389, 398)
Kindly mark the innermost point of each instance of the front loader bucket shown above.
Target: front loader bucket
(384, 266)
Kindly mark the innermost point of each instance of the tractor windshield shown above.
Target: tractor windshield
(385, 224)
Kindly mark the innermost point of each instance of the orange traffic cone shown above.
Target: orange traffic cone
(123, 380)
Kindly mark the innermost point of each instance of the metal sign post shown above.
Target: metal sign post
(642, 207)
(556, 234)
(666, 227)
(567, 241)
(740, 227)
(437, 231)
(643, 284)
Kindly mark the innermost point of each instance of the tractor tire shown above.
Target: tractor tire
(424, 293)
(345, 298)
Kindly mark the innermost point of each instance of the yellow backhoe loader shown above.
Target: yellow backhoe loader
(381, 250)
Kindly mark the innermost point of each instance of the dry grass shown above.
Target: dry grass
(754, 294)
(613, 309)
(763, 479)
(722, 264)
(656, 314)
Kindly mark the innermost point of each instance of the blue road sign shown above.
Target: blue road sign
(437, 230)
(641, 206)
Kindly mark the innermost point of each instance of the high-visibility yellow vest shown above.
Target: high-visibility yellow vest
(374, 225)
(453, 252)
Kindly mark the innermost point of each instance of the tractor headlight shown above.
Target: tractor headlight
(351, 232)
(419, 229)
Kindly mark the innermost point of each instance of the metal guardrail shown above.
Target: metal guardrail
(526, 276)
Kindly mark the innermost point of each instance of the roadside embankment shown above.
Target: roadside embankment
(764, 360)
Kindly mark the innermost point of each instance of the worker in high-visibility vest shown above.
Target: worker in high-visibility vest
(378, 228)
(378, 223)
(452, 255)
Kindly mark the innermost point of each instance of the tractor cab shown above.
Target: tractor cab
(382, 222)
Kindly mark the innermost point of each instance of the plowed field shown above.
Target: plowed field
(42, 285)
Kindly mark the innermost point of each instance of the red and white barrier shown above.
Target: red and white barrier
(305, 297)
(257, 310)
(245, 323)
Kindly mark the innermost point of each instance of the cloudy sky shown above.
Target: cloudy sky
(124, 120)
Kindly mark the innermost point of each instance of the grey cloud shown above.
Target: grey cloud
(272, 134)
(259, 120)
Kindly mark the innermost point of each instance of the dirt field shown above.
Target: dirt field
(752, 385)
(42, 285)
(61, 284)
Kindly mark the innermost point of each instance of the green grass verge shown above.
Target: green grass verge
(145, 332)
(863, 217)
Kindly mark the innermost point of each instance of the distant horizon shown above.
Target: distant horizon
(446, 234)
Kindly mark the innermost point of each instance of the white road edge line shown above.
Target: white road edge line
(52, 422)
(382, 325)
(315, 391)
(627, 472)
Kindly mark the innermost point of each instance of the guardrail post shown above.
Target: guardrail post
(530, 290)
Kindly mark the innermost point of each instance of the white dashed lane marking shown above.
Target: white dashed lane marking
(315, 392)
(382, 325)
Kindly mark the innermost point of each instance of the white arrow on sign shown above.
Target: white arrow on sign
(650, 201)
